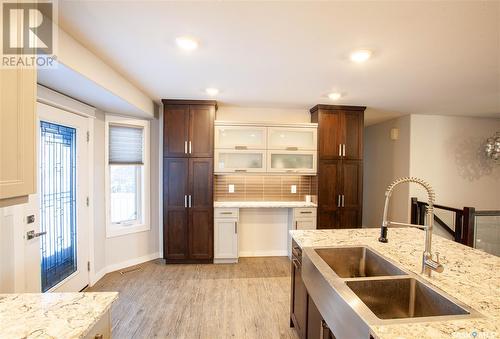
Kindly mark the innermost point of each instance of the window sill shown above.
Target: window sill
(113, 231)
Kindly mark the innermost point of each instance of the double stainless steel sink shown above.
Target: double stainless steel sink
(356, 287)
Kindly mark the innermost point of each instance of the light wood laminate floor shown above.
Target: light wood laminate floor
(250, 299)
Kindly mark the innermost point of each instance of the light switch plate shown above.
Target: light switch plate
(293, 189)
(231, 188)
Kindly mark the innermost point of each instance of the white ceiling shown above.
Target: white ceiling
(429, 57)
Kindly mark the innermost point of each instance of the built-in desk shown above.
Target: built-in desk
(258, 228)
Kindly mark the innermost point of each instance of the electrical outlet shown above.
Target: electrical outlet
(231, 188)
(293, 189)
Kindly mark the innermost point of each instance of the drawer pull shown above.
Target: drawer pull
(305, 212)
(240, 170)
(226, 213)
(240, 147)
(292, 148)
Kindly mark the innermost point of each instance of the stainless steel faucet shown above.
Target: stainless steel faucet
(428, 264)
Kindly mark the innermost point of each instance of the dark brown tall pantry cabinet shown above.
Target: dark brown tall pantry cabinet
(340, 165)
(188, 136)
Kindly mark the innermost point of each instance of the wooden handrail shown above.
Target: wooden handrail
(441, 207)
(464, 220)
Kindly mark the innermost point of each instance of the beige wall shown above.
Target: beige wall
(448, 153)
(385, 160)
(445, 151)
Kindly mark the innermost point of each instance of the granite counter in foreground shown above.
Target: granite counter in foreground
(52, 315)
(471, 276)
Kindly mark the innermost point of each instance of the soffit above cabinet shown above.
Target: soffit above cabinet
(265, 124)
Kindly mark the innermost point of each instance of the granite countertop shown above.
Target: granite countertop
(263, 204)
(471, 276)
(52, 315)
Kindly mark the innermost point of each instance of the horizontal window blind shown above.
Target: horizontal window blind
(126, 145)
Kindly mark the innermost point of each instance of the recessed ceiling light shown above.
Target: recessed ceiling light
(212, 91)
(361, 55)
(186, 43)
(334, 96)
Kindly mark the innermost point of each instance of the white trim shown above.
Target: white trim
(91, 257)
(160, 179)
(225, 260)
(124, 264)
(55, 99)
(145, 225)
(276, 253)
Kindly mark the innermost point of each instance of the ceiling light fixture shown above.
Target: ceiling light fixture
(186, 43)
(212, 91)
(361, 55)
(334, 96)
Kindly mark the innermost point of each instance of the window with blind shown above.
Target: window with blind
(126, 173)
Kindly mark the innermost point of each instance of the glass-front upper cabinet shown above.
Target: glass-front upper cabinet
(292, 138)
(291, 161)
(240, 137)
(228, 161)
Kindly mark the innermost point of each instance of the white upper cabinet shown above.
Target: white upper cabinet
(240, 137)
(292, 162)
(258, 147)
(229, 161)
(17, 135)
(286, 138)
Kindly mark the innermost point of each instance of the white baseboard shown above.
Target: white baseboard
(278, 253)
(225, 260)
(122, 265)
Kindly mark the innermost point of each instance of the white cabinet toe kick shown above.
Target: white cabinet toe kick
(252, 229)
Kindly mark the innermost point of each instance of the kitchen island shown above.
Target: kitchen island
(56, 315)
(470, 276)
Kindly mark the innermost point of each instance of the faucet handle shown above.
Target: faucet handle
(437, 257)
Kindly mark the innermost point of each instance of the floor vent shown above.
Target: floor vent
(133, 269)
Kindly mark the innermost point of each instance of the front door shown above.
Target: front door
(63, 193)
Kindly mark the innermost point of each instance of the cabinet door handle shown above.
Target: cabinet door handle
(340, 150)
(296, 224)
(190, 147)
(343, 150)
(338, 200)
(235, 227)
(185, 201)
(185, 147)
(296, 263)
(343, 201)
(190, 201)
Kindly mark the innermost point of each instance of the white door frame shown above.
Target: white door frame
(63, 117)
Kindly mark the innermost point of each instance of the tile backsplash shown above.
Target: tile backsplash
(264, 187)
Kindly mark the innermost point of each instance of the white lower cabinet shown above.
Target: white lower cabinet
(225, 235)
(300, 219)
(102, 329)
